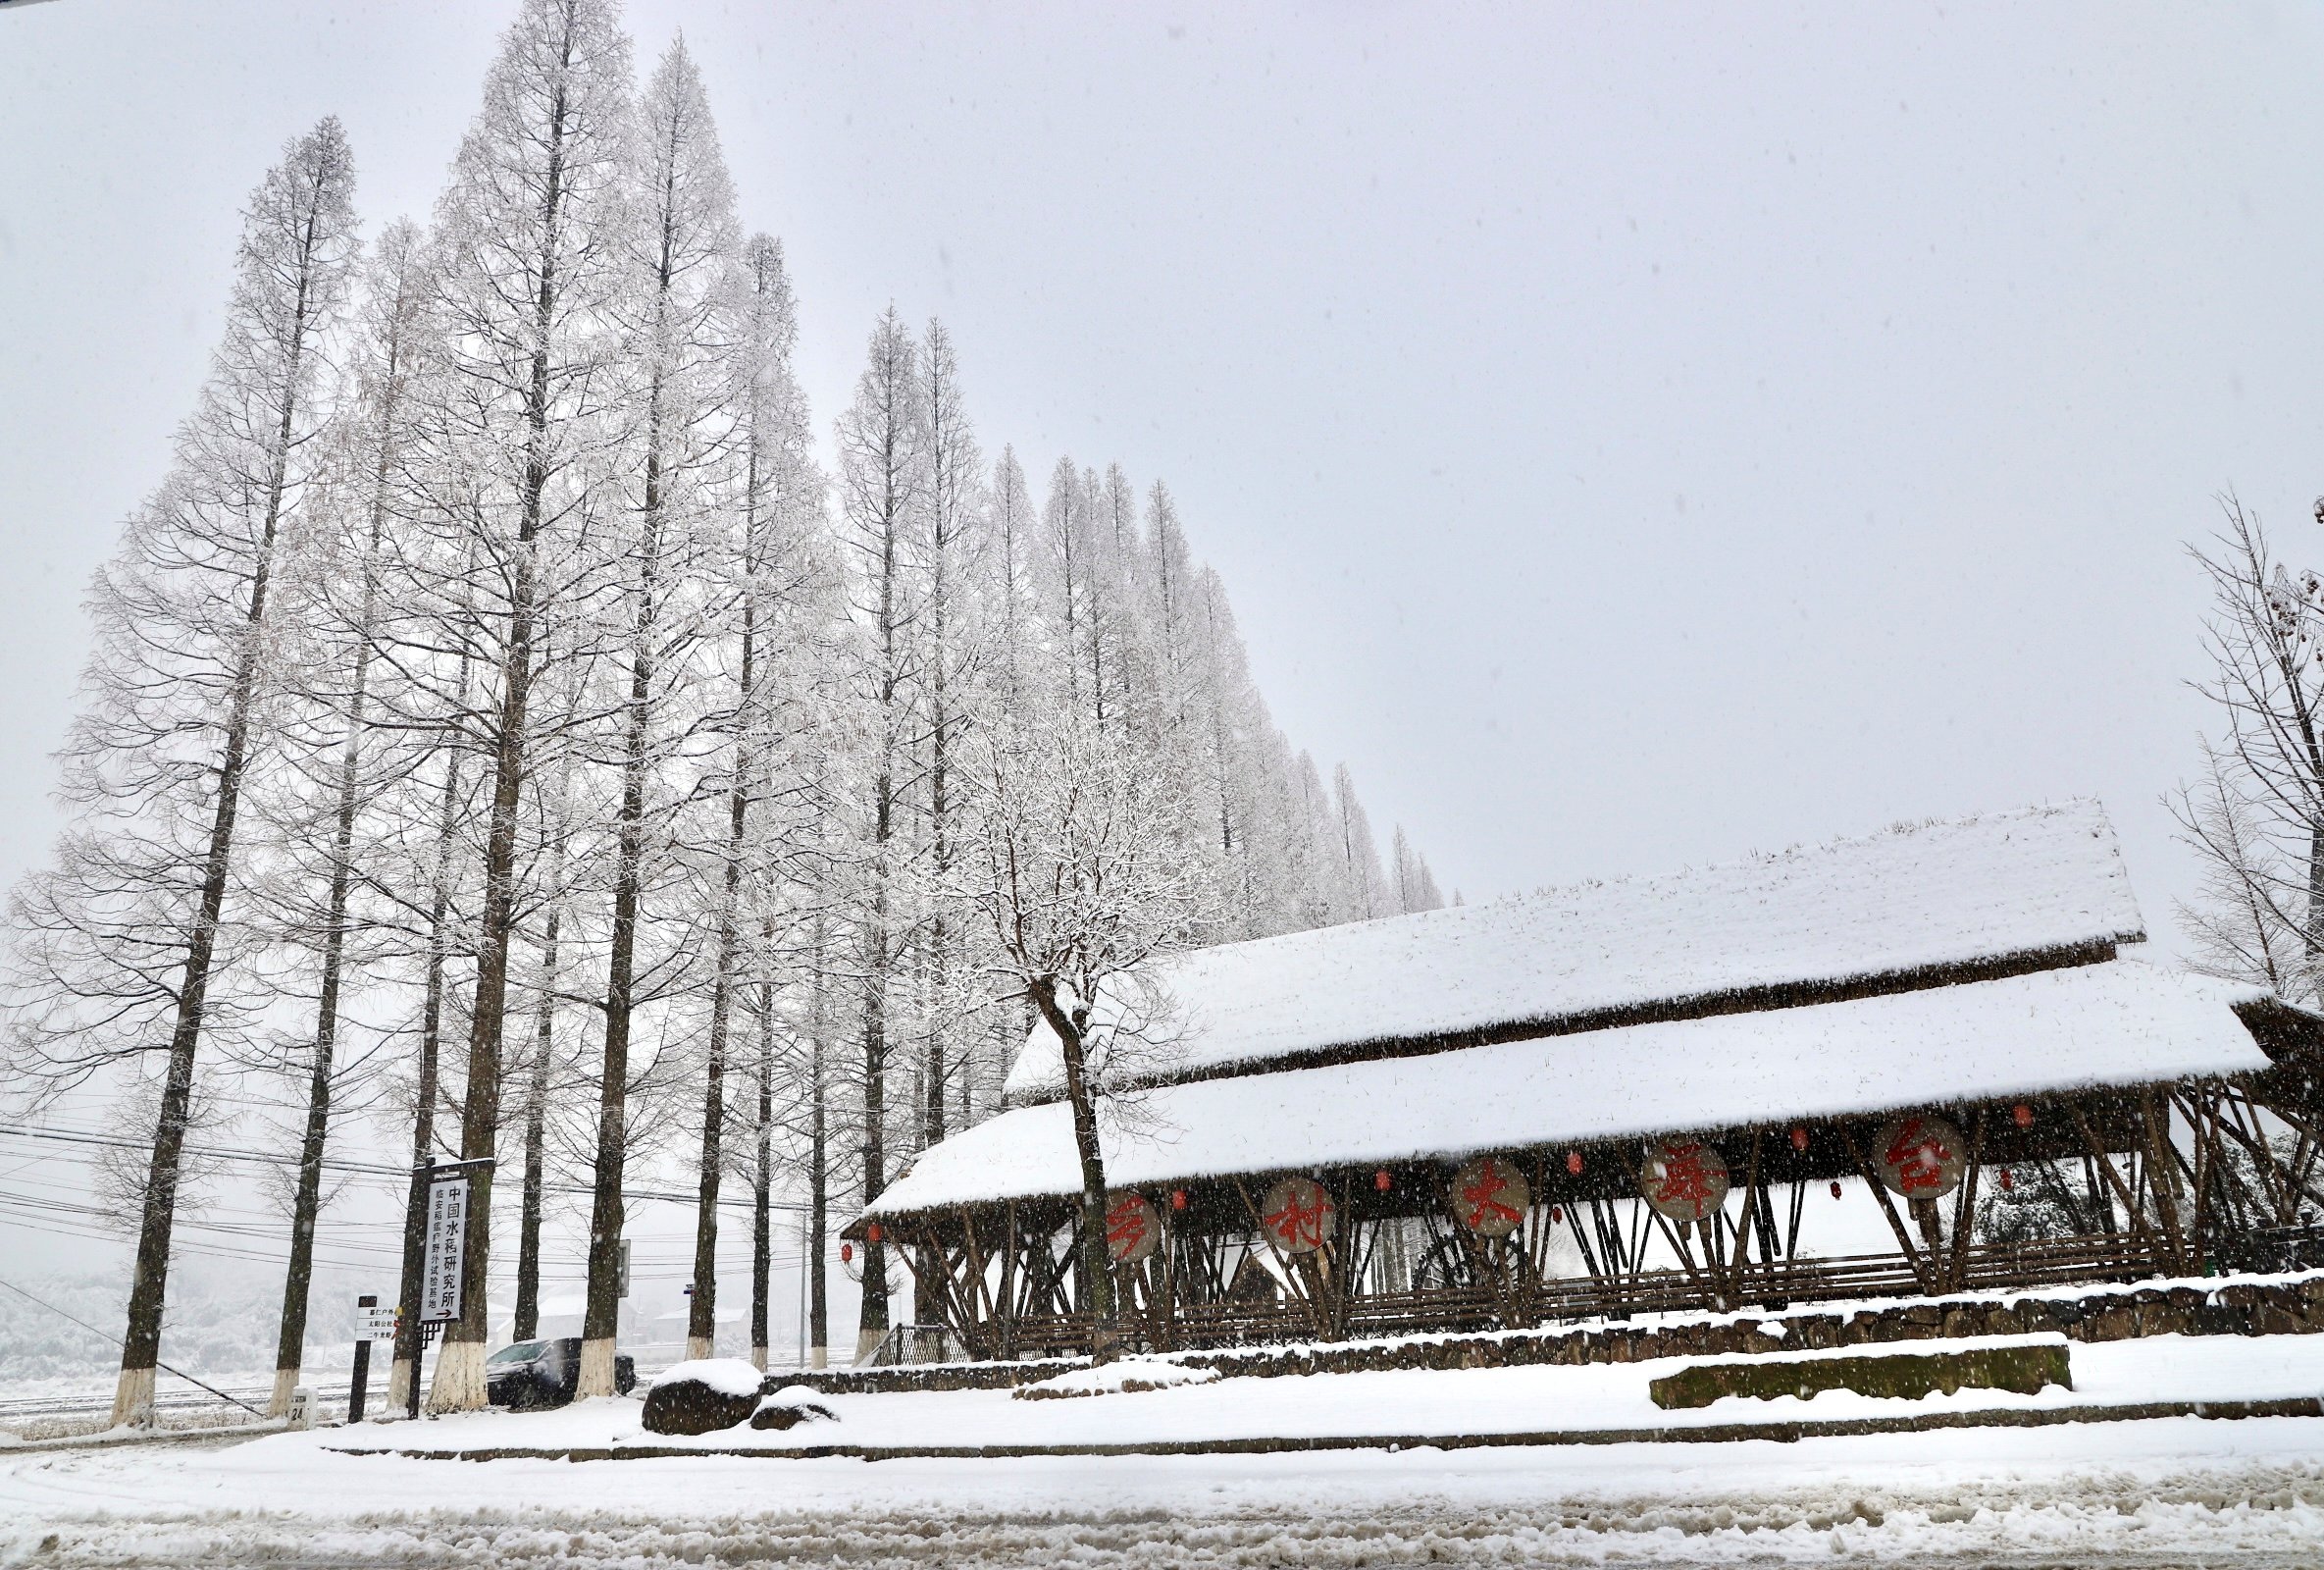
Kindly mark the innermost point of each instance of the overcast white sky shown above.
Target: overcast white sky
(1630, 436)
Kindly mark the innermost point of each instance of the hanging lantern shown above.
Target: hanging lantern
(2022, 1115)
(1133, 1231)
(1298, 1215)
(1380, 1180)
(1574, 1162)
(1557, 1215)
(1919, 1156)
(1490, 1197)
(2007, 1183)
(1835, 1188)
(1177, 1199)
(1799, 1137)
(871, 1233)
(1683, 1179)
(847, 1253)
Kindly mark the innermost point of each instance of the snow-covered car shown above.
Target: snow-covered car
(538, 1373)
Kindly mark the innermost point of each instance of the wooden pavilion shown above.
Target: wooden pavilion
(1628, 1096)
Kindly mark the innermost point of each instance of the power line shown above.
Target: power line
(110, 1341)
(82, 1136)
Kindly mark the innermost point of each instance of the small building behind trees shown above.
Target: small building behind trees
(1633, 1096)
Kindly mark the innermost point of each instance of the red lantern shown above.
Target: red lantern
(1380, 1179)
(2022, 1115)
(1557, 1215)
(1177, 1199)
(871, 1233)
(2006, 1181)
(1835, 1188)
(847, 1253)
(1799, 1137)
(1574, 1162)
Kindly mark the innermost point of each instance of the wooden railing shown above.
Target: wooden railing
(1521, 1305)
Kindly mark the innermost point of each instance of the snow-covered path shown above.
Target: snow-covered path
(2169, 1492)
(2161, 1491)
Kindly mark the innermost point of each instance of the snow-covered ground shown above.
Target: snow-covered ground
(2178, 1491)
(1416, 1402)
(2169, 1492)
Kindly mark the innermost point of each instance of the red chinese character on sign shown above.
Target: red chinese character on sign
(1126, 1226)
(1483, 1207)
(1917, 1156)
(1685, 1180)
(1298, 1225)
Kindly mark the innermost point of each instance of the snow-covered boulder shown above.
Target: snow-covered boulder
(1124, 1376)
(791, 1406)
(702, 1396)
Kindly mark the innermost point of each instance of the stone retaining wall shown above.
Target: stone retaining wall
(2292, 1307)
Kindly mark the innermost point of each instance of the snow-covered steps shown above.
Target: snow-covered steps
(2025, 1364)
(1570, 1404)
(2288, 1304)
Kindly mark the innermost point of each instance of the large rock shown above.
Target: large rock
(702, 1396)
(791, 1406)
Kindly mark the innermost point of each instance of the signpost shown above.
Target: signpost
(442, 1253)
(1921, 1157)
(1298, 1215)
(1133, 1231)
(440, 1259)
(1490, 1196)
(371, 1323)
(1683, 1179)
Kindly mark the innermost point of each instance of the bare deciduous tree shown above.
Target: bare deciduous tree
(1082, 877)
(123, 942)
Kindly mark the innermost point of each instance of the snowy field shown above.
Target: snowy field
(2168, 1491)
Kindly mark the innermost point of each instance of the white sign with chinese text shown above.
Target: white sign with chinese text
(440, 1267)
(374, 1324)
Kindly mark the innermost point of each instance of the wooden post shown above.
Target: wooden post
(2102, 1163)
(1965, 1204)
(358, 1386)
(1879, 1192)
(2161, 1158)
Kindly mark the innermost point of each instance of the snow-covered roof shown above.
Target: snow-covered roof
(2002, 886)
(2117, 1022)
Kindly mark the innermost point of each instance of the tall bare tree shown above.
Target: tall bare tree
(684, 248)
(883, 486)
(521, 432)
(337, 593)
(122, 942)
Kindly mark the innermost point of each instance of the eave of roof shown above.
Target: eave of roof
(2046, 1032)
(1936, 904)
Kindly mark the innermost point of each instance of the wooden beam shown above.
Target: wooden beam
(1880, 1190)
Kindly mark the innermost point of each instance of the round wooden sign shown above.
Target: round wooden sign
(1919, 1156)
(1683, 1179)
(1490, 1196)
(1133, 1231)
(1298, 1215)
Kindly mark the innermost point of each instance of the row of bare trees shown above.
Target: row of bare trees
(505, 727)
